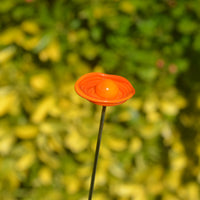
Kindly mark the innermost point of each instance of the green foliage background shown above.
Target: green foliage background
(151, 144)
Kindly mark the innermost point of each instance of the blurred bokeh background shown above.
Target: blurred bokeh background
(151, 144)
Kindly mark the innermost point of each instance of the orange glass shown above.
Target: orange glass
(104, 89)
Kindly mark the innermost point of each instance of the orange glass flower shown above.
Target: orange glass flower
(104, 89)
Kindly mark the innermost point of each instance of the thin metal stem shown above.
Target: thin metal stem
(97, 152)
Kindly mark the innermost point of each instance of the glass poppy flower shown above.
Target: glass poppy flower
(104, 89)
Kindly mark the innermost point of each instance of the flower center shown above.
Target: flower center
(107, 89)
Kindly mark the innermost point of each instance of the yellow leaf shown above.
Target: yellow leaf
(150, 105)
(105, 164)
(12, 35)
(47, 128)
(153, 117)
(7, 53)
(43, 109)
(177, 147)
(155, 188)
(73, 113)
(100, 196)
(6, 144)
(149, 130)
(52, 195)
(26, 131)
(30, 27)
(192, 191)
(169, 108)
(6, 37)
(168, 196)
(83, 171)
(117, 171)
(6, 103)
(101, 178)
(51, 52)
(179, 162)
(13, 180)
(127, 7)
(72, 184)
(135, 191)
(31, 43)
(25, 162)
(106, 153)
(45, 175)
(64, 104)
(40, 82)
(173, 179)
(116, 144)
(49, 159)
(98, 68)
(135, 145)
(98, 12)
(154, 180)
(135, 103)
(124, 116)
(55, 145)
(75, 142)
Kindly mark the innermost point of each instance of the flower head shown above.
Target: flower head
(104, 89)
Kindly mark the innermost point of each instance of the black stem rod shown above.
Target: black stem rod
(97, 152)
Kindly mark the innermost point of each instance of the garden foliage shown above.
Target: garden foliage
(151, 144)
